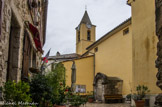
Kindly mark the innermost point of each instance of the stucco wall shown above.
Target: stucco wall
(84, 43)
(84, 72)
(114, 58)
(144, 44)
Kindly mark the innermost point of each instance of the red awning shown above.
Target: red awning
(36, 37)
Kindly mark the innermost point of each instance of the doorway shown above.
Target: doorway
(13, 50)
(26, 57)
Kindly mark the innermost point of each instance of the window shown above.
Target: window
(78, 36)
(80, 88)
(88, 35)
(96, 49)
(125, 31)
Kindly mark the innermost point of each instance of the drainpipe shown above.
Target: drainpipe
(94, 66)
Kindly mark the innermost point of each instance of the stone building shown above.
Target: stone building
(22, 36)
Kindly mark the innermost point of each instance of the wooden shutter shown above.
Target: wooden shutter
(26, 55)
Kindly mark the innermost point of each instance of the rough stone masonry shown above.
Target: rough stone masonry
(159, 49)
(13, 17)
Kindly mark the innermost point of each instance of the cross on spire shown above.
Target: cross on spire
(86, 7)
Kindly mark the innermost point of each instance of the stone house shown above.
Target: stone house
(22, 36)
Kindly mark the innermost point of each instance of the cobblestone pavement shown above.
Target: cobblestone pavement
(105, 105)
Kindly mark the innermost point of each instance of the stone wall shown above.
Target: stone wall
(15, 12)
(158, 12)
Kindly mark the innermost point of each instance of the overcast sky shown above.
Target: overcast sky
(65, 15)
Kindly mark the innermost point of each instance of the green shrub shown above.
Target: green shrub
(40, 90)
(16, 92)
(56, 79)
(76, 99)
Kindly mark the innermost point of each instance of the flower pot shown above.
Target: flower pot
(90, 100)
(59, 106)
(140, 103)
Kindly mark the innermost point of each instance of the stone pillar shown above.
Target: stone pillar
(158, 62)
(103, 93)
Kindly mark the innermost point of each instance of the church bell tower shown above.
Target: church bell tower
(85, 34)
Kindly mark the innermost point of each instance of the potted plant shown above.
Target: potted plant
(76, 100)
(142, 90)
(128, 97)
(90, 96)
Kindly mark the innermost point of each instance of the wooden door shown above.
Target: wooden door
(26, 56)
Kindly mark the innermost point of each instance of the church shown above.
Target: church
(120, 60)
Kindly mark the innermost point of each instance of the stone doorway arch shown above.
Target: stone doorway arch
(104, 85)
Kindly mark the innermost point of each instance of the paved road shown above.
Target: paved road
(105, 105)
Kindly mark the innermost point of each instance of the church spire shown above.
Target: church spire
(85, 34)
(86, 18)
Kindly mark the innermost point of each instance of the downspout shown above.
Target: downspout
(94, 65)
(94, 70)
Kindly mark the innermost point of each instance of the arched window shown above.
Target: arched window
(88, 35)
(78, 36)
